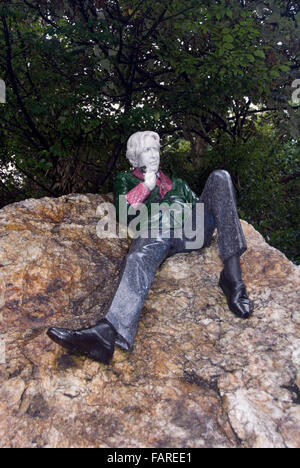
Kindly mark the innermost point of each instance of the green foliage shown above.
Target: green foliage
(82, 76)
(264, 174)
(265, 171)
(273, 207)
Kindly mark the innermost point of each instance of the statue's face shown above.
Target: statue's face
(149, 157)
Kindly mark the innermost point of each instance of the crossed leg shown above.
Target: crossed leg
(146, 254)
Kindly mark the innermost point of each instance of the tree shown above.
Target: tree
(83, 75)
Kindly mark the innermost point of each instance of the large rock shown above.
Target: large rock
(197, 377)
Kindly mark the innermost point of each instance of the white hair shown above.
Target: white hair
(135, 145)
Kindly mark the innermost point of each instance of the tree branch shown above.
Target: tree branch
(40, 184)
(111, 164)
(15, 86)
(202, 135)
(286, 179)
(37, 8)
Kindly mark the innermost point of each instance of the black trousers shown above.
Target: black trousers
(146, 254)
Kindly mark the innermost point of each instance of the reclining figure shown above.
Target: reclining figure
(147, 184)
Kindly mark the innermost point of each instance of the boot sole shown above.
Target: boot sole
(104, 357)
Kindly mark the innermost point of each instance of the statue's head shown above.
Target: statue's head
(143, 150)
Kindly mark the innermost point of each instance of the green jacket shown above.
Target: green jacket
(174, 190)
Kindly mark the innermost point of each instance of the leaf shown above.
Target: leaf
(274, 18)
(260, 53)
(228, 38)
(105, 64)
(97, 51)
(112, 52)
(250, 58)
(284, 68)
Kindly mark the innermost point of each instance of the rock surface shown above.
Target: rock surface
(197, 377)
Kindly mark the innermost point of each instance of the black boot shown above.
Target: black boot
(234, 289)
(95, 342)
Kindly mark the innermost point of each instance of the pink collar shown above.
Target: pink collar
(164, 183)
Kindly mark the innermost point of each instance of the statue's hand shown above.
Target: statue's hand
(150, 180)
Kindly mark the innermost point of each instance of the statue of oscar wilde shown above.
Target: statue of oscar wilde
(148, 184)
